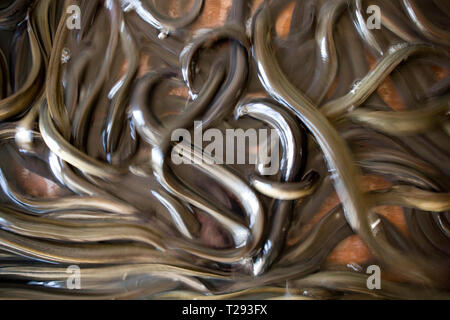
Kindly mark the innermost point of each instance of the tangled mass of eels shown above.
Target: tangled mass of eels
(358, 92)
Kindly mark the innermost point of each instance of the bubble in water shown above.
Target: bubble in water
(355, 86)
(65, 56)
(397, 47)
(355, 267)
(163, 34)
